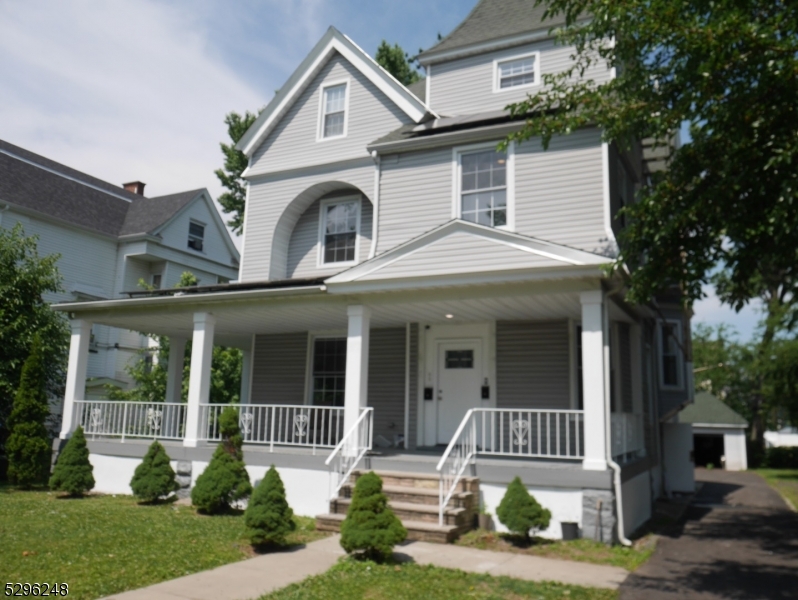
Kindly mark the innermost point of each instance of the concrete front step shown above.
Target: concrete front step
(416, 495)
(430, 481)
(414, 512)
(416, 530)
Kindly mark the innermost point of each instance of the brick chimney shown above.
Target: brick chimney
(135, 187)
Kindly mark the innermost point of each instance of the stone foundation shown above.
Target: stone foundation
(598, 516)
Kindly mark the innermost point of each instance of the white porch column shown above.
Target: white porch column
(174, 369)
(199, 383)
(595, 353)
(357, 363)
(76, 373)
(246, 375)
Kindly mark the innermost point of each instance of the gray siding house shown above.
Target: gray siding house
(413, 300)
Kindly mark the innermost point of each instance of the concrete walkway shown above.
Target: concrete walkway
(251, 578)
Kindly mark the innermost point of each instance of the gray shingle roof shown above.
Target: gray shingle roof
(707, 409)
(443, 124)
(419, 89)
(45, 186)
(495, 19)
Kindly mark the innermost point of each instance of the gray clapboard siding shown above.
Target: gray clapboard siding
(532, 364)
(293, 144)
(303, 249)
(275, 207)
(175, 235)
(465, 86)
(386, 391)
(278, 368)
(412, 413)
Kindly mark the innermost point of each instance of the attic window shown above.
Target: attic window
(333, 111)
(519, 71)
(196, 235)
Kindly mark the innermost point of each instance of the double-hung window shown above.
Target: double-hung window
(333, 111)
(483, 187)
(329, 371)
(340, 222)
(196, 236)
(670, 338)
(517, 72)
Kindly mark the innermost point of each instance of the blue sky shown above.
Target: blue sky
(128, 90)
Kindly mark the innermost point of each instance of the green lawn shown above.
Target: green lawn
(352, 579)
(579, 550)
(785, 481)
(101, 545)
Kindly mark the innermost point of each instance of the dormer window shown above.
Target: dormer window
(196, 235)
(340, 225)
(519, 71)
(484, 186)
(333, 111)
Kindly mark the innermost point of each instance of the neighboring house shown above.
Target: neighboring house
(786, 436)
(413, 300)
(718, 433)
(109, 238)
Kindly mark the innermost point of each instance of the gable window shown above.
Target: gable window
(329, 371)
(196, 235)
(483, 187)
(517, 72)
(340, 224)
(669, 339)
(333, 111)
(156, 281)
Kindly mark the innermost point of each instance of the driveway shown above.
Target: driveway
(738, 540)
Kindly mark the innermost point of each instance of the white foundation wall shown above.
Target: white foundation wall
(112, 474)
(636, 502)
(565, 506)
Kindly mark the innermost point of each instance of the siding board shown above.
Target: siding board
(278, 368)
(386, 391)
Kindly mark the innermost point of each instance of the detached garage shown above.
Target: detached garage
(718, 433)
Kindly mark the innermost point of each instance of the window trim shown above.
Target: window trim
(322, 226)
(497, 89)
(679, 359)
(311, 356)
(457, 204)
(188, 240)
(320, 129)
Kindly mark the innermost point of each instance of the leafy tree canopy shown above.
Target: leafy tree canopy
(397, 62)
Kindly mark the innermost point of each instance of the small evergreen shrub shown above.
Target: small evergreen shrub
(520, 512)
(154, 477)
(225, 480)
(370, 526)
(73, 471)
(268, 517)
(28, 447)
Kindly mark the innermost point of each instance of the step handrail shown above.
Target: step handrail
(347, 464)
(461, 450)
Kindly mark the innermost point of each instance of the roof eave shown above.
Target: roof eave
(444, 138)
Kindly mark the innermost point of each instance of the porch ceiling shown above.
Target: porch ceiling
(237, 319)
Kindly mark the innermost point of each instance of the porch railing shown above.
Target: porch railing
(525, 433)
(278, 424)
(108, 418)
(351, 449)
(627, 436)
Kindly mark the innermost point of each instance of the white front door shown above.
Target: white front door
(459, 384)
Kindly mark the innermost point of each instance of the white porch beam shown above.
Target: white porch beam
(357, 363)
(199, 383)
(76, 373)
(595, 362)
(246, 374)
(174, 369)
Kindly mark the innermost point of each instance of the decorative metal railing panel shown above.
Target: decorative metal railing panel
(525, 433)
(108, 418)
(350, 450)
(628, 438)
(278, 424)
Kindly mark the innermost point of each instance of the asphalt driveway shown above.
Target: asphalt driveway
(738, 540)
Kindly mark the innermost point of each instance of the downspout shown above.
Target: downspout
(375, 205)
(608, 433)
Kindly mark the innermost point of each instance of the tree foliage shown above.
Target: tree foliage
(397, 62)
(520, 512)
(268, 517)
(28, 446)
(729, 70)
(25, 279)
(73, 473)
(370, 527)
(154, 478)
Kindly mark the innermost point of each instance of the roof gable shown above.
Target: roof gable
(332, 41)
(710, 410)
(459, 248)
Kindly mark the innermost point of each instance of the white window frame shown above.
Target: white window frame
(679, 358)
(457, 204)
(323, 225)
(311, 355)
(320, 129)
(497, 89)
(204, 240)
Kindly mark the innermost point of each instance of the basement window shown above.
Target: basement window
(196, 235)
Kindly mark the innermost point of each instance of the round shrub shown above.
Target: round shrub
(73, 471)
(268, 517)
(154, 477)
(520, 512)
(370, 527)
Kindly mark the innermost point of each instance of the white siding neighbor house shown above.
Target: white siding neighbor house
(415, 301)
(109, 237)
